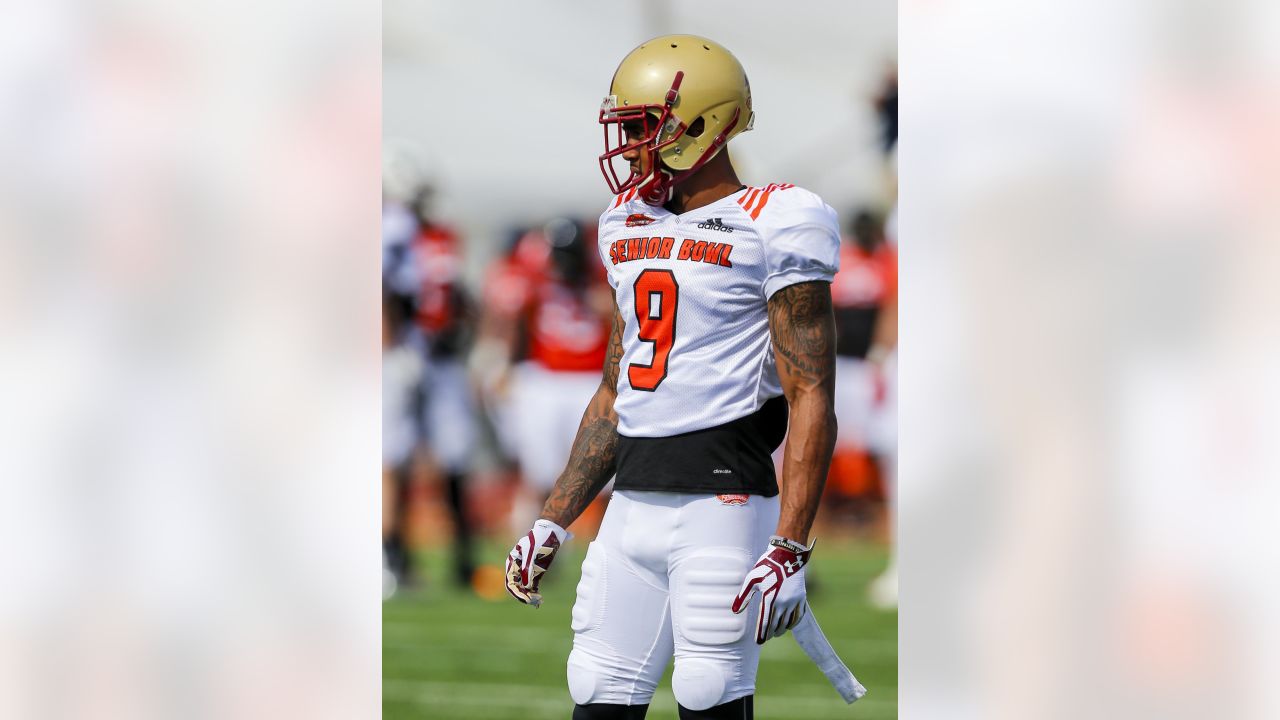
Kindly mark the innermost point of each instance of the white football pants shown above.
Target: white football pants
(548, 406)
(658, 582)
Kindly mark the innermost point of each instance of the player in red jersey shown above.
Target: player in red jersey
(865, 297)
(553, 327)
(508, 289)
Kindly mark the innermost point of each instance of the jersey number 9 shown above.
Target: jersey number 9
(657, 296)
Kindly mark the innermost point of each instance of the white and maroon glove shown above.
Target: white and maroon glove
(779, 577)
(530, 558)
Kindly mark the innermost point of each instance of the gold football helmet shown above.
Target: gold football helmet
(682, 97)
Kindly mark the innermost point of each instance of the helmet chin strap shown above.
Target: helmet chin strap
(658, 189)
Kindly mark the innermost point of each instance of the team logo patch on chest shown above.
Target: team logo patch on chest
(733, 498)
(637, 219)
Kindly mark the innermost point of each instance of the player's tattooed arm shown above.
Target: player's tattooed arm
(613, 357)
(594, 456)
(802, 326)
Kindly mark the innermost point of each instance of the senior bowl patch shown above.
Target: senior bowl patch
(733, 498)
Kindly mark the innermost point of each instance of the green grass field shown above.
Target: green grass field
(450, 655)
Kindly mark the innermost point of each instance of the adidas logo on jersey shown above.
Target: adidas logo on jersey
(714, 224)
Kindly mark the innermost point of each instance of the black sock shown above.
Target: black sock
(463, 567)
(602, 711)
(741, 709)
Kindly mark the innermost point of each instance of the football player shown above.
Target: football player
(402, 370)
(551, 331)
(865, 296)
(567, 324)
(722, 327)
(509, 284)
(444, 315)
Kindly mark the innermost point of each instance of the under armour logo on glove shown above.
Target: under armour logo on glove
(779, 578)
(530, 558)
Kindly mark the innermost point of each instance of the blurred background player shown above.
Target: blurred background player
(883, 591)
(426, 316)
(402, 365)
(444, 318)
(509, 284)
(402, 369)
(864, 295)
(553, 325)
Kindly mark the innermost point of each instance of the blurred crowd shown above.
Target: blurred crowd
(484, 382)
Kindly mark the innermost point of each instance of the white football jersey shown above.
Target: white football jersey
(693, 290)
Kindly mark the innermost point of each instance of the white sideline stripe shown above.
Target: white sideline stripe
(435, 694)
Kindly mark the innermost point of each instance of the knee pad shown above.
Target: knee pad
(583, 678)
(740, 709)
(699, 684)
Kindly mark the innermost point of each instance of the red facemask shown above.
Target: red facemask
(654, 119)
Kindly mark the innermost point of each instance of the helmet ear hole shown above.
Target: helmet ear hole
(697, 128)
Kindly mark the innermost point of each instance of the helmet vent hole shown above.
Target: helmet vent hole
(673, 45)
(696, 129)
(704, 47)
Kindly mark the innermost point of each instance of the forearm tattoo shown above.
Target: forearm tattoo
(613, 356)
(594, 456)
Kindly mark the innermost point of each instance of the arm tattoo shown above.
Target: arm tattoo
(802, 326)
(803, 329)
(613, 356)
(594, 456)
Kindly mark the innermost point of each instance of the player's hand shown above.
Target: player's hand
(779, 578)
(530, 558)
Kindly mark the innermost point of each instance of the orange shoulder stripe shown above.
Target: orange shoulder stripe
(763, 198)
